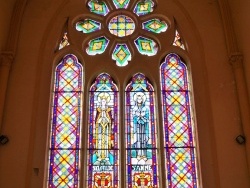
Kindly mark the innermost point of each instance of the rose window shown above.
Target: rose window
(128, 24)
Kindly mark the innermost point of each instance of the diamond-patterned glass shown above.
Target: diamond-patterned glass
(155, 26)
(97, 46)
(88, 26)
(143, 8)
(146, 46)
(121, 55)
(121, 3)
(98, 7)
(66, 124)
(178, 124)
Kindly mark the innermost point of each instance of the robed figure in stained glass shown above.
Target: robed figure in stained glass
(103, 129)
(140, 125)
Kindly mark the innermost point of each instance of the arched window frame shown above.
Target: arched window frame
(146, 72)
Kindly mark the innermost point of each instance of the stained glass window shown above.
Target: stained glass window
(146, 46)
(144, 7)
(121, 26)
(98, 7)
(103, 129)
(66, 124)
(64, 42)
(97, 46)
(88, 26)
(141, 134)
(178, 41)
(121, 3)
(121, 55)
(155, 26)
(178, 124)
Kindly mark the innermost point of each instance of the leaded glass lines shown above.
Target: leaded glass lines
(178, 124)
(66, 124)
(140, 133)
(103, 130)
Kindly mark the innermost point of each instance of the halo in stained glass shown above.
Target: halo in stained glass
(146, 46)
(121, 26)
(178, 41)
(88, 26)
(140, 133)
(121, 3)
(97, 46)
(155, 26)
(143, 8)
(121, 55)
(100, 8)
(103, 133)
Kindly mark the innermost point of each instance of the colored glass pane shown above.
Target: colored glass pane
(121, 26)
(121, 3)
(103, 129)
(140, 133)
(155, 26)
(146, 46)
(64, 42)
(121, 55)
(178, 41)
(66, 124)
(178, 124)
(98, 7)
(144, 7)
(97, 46)
(88, 26)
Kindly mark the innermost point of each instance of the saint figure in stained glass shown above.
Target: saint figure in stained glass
(103, 137)
(141, 148)
(103, 132)
(140, 124)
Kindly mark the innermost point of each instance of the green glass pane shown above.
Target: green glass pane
(98, 7)
(121, 55)
(143, 8)
(121, 3)
(146, 46)
(155, 26)
(97, 46)
(88, 26)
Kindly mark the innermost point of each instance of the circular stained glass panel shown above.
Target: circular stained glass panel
(121, 26)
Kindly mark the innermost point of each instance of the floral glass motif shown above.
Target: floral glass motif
(178, 124)
(146, 46)
(143, 8)
(178, 41)
(66, 124)
(155, 26)
(121, 55)
(121, 3)
(103, 147)
(97, 46)
(121, 26)
(64, 42)
(88, 26)
(140, 134)
(98, 7)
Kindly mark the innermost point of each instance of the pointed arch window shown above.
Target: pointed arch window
(141, 145)
(103, 129)
(178, 124)
(66, 124)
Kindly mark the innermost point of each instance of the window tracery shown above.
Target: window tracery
(103, 145)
